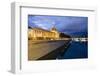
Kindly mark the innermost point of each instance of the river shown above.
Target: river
(76, 50)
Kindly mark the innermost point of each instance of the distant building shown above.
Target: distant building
(42, 34)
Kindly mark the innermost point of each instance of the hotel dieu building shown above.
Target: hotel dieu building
(42, 34)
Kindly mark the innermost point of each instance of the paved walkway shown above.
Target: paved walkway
(39, 49)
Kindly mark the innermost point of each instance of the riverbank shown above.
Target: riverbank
(44, 50)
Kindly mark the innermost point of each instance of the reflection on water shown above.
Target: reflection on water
(76, 50)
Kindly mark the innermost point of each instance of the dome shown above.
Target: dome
(53, 28)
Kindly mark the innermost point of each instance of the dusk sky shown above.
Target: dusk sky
(71, 25)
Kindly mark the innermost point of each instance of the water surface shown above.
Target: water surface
(76, 50)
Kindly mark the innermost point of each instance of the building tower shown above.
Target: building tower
(54, 30)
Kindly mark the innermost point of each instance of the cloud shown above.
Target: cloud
(67, 24)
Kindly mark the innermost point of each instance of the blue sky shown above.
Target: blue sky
(71, 25)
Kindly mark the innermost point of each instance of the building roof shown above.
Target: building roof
(37, 28)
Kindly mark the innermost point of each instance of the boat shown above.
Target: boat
(79, 39)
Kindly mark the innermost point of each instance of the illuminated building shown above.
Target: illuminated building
(42, 34)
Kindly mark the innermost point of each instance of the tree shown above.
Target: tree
(63, 35)
(29, 27)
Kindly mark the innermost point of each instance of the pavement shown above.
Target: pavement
(38, 49)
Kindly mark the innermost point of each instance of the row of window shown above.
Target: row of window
(43, 33)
